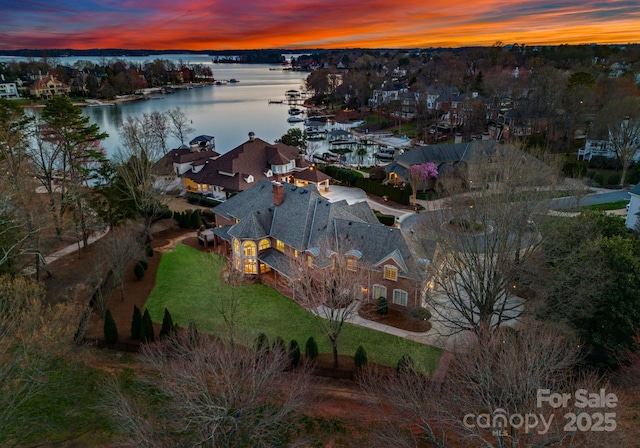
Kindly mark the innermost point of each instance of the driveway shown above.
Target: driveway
(354, 195)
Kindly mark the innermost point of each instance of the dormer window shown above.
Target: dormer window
(391, 273)
(248, 179)
(269, 173)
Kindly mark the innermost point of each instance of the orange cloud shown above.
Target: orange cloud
(248, 24)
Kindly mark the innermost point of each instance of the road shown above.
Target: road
(601, 196)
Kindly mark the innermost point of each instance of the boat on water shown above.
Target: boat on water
(233, 80)
(294, 119)
(276, 101)
(295, 111)
(385, 153)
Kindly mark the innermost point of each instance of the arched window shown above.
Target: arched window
(264, 244)
(249, 248)
(236, 245)
(379, 291)
(400, 297)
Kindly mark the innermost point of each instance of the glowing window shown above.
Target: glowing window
(391, 273)
(280, 245)
(351, 264)
(265, 244)
(249, 248)
(250, 266)
(236, 246)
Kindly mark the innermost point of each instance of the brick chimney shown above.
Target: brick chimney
(278, 193)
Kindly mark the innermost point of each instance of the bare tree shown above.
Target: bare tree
(495, 392)
(486, 238)
(212, 396)
(120, 249)
(141, 149)
(179, 124)
(31, 336)
(624, 138)
(328, 286)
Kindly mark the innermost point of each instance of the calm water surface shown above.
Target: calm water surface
(228, 112)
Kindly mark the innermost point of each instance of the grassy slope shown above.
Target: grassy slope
(188, 285)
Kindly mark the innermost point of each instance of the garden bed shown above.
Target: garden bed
(398, 317)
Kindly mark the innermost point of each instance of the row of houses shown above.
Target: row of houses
(45, 87)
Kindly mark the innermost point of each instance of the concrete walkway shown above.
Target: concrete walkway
(71, 248)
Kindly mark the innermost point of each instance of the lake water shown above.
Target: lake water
(228, 112)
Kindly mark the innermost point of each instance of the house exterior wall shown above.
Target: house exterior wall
(9, 90)
(632, 221)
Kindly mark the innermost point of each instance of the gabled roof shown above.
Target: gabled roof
(252, 158)
(306, 221)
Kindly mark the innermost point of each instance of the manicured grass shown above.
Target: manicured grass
(188, 284)
(68, 407)
(616, 205)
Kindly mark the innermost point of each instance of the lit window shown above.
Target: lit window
(264, 268)
(309, 261)
(391, 273)
(280, 245)
(236, 246)
(265, 244)
(250, 266)
(351, 264)
(400, 297)
(249, 249)
(295, 253)
(379, 291)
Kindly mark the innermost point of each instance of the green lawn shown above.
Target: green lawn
(188, 285)
(616, 205)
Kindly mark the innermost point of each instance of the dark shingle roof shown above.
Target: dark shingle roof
(307, 221)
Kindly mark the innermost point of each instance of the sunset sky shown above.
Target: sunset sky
(291, 24)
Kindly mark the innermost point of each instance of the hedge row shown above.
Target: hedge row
(353, 178)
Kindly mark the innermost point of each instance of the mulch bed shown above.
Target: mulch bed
(398, 317)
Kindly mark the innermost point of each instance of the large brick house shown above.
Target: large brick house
(265, 228)
(48, 87)
(251, 162)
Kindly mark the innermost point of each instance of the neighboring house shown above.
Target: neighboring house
(446, 157)
(48, 87)
(263, 229)
(184, 159)
(251, 162)
(633, 212)
(9, 90)
(203, 143)
(601, 148)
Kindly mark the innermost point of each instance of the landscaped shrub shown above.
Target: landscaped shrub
(294, 353)
(360, 358)
(148, 251)
(136, 322)
(382, 306)
(167, 325)
(405, 365)
(387, 220)
(110, 329)
(262, 343)
(311, 349)
(421, 313)
(598, 178)
(144, 263)
(138, 270)
(146, 328)
(195, 221)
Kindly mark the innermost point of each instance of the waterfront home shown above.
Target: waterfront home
(48, 87)
(265, 228)
(249, 163)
